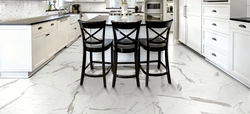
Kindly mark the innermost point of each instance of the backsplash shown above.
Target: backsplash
(18, 9)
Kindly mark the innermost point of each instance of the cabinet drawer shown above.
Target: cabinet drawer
(38, 28)
(219, 11)
(219, 25)
(215, 39)
(240, 25)
(216, 56)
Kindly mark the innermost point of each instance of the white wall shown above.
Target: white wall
(18, 9)
(248, 8)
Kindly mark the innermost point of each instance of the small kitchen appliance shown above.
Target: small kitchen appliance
(75, 8)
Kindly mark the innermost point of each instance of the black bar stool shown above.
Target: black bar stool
(91, 43)
(156, 42)
(126, 42)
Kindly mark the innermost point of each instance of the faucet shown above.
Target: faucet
(63, 10)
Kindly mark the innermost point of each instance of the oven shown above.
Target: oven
(154, 16)
(153, 7)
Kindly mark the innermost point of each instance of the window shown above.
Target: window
(117, 3)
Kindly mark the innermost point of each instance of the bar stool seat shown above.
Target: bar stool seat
(99, 47)
(153, 47)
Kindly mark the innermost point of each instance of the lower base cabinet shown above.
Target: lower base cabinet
(38, 50)
(240, 63)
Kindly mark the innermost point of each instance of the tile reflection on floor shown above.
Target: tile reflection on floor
(198, 88)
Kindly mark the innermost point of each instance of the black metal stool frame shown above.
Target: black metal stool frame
(126, 44)
(94, 44)
(158, 44)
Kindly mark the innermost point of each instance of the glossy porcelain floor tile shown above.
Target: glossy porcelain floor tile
(197, 88)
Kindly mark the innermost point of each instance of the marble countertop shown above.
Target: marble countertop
(130, 18)
(34, 20)
(242, 19)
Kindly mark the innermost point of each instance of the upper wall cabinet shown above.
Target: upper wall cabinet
(84, 0)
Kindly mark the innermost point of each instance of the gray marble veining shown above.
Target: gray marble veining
(197, 88)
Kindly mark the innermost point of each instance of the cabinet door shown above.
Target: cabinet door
(38, 50)
(51, 43)
(240, 63)
(77, 31)
(182, 21)
(194, 33)
(72, 33)
(62, 34)
(194, 25)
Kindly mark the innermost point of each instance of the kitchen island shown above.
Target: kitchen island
(123, 57)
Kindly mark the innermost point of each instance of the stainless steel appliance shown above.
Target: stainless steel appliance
(75, 8)
(153, 7)
(215, 0)
(154, 16)
(153, 10)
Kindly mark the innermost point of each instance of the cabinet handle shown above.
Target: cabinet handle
(39, 28)
(63, 20)
(214, 54)
(214, 24)
(214, 11)
(52, 24)
(75, 28)
(214, 39)
(242, 26)
(185, 11)
(47, 34)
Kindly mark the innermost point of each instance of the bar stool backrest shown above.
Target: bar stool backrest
(91, 32)
(158, 31)
(128, 33)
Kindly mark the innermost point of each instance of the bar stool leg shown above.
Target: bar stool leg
(159, 60)
(167, 66)
(83, 67)
(114, 68)
(103, 69)
(91, 61)
(147, 68)
(137, 68)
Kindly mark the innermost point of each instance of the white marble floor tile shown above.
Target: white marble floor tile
(197, 88)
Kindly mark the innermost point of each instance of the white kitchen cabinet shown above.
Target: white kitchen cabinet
(62, 35)
(216, 24)
(38, 50)
(44, 46)
(215, 34)
(74, 32)
(218, 11)
(190, 23)
(74, 28)
(239, 44)
(44, 42)
(51, 43)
